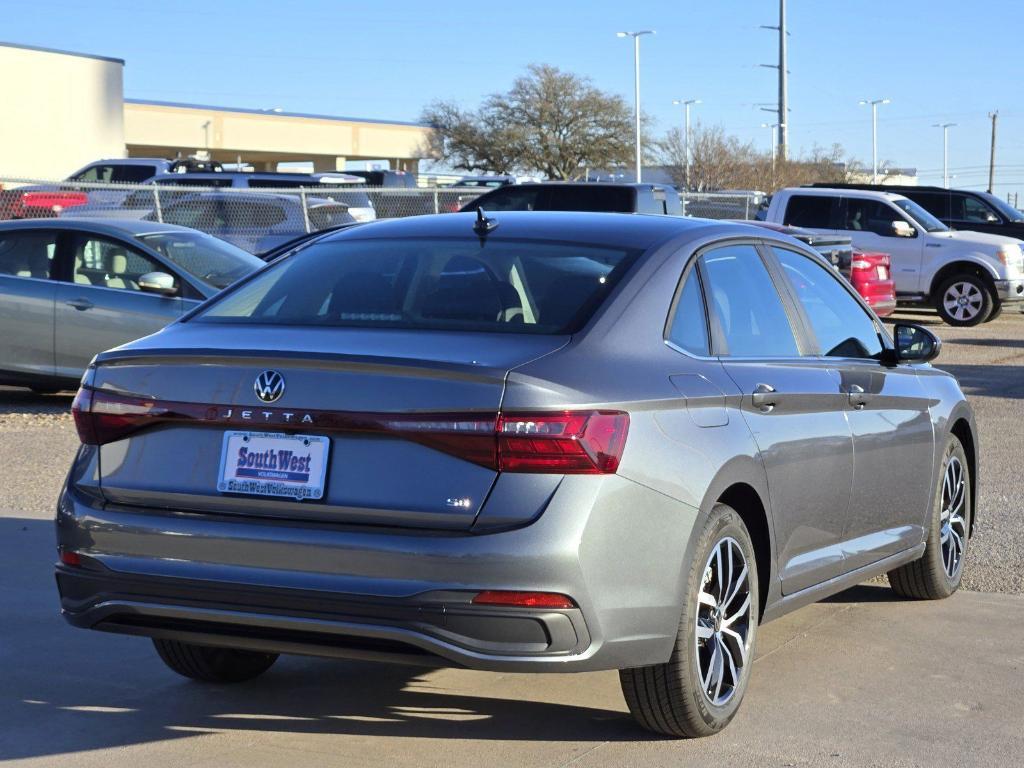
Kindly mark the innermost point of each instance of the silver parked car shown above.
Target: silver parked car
(70, 288)
(542, 442)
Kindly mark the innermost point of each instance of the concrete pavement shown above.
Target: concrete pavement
(863, 679)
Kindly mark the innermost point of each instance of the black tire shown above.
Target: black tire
(997, 310)
(929, 577)
(670, 698)
(964, 300)
(213, 665)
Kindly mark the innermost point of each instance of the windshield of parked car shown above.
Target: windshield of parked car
(459, 285)
(212, 261)
(1004, 208)
(920, 215)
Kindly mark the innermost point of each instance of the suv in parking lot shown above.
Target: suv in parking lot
(967, 276)
(600, 197)
(255, 222)
(958, 208)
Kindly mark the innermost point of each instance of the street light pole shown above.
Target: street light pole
(772, 128)
(874, 134)
(687, 103)
(636, 88)
(945, 151)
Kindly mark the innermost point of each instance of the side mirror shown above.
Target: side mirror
(902, 228)
(157, 282)
(913, 344)
(991, 218)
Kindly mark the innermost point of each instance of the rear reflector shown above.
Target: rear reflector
(524, 599)
(70, 558)
(560, 442)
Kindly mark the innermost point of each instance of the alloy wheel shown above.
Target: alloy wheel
(953, 522)
(724, 617)
(963, 300)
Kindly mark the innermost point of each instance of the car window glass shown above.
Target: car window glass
(936, 203)
(512, 199)
(843, 328)
(132, 174)
(861, 215)
(689, 328)
(746, 304)
(96, 173)
(27, 254)
(977, 211)
(109, 264)
(811, 211)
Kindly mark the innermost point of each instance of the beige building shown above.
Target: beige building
(59, 111)
(64, 110)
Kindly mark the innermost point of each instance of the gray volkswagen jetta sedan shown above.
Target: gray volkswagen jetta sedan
(538, 442)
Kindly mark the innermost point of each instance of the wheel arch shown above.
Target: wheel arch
(746, 500)
(961, 428)
(975, 265)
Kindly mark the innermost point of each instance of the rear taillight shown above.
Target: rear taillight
(54, 201)
(101, 417)
(561, 442)
(523, 599)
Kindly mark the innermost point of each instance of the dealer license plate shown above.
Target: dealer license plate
(274, 464)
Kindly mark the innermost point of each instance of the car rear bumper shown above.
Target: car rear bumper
(1010, 290)
(383, 594)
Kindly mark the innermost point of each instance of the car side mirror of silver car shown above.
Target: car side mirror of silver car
(157, 282)
(903, 229)
(913, 344)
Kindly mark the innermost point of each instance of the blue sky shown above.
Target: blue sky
(938, 60)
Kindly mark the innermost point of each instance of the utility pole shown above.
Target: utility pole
(686, 103)
(945, 151)
(636, 88)
(993, 116)
(782, 106)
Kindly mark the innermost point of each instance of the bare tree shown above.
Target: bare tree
(550, 121)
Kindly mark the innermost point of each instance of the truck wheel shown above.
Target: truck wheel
(698, 690)
(964, 300)
(937, 573)
(213, 665)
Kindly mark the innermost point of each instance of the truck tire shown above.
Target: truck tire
(964, 300)
(698, 690)
(213, 665)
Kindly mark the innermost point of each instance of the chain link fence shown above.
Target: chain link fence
(255, 219)
(258, 219)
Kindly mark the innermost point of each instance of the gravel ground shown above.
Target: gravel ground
(37, 442)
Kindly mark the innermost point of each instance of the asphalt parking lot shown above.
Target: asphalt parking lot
(862, 679)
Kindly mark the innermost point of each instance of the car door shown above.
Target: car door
(99, 304)
(869, 223)
(792, 405)
(27, 295)
(887, 410)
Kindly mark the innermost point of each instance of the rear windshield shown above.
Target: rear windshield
(567, 198)
(460, 285)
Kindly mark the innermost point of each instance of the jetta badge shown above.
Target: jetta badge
(269, 386)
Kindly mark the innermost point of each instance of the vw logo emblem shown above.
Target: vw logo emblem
(269, 386)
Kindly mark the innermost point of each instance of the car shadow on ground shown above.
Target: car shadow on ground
(65, 690)
(17, 400)
(865, 593)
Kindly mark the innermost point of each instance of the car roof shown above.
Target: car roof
(622, 230)
(590, 185)
(846, 192)
(115, 227)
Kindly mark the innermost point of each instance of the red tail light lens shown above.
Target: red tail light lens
(572, 442)
(53, 200)
(523, 599)
(564, 442)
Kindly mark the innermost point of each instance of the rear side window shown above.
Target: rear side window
(500, 286)
(323, 216)
(746, 304)
(811, 211)
(512, 199)
(689, 328)
(27, 254)
(584, 198)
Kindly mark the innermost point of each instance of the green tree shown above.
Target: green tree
(550, 122)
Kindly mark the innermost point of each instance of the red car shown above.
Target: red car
(868, 273)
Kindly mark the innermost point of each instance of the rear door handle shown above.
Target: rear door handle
(858, 399)
(763, 397)
(80, 304)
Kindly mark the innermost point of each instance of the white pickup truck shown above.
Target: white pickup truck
(967, 276)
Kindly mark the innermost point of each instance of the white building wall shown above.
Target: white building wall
(59, 111)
